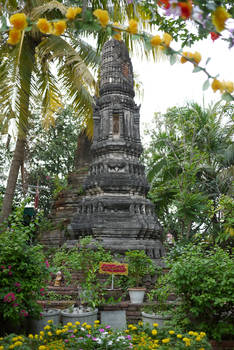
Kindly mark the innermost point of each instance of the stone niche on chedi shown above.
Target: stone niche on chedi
(114, 208)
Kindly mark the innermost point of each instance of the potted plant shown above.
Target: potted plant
(159, 308)
(139, 266)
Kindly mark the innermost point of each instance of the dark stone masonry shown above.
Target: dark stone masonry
(114, 208)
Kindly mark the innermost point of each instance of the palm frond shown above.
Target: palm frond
(48, 8)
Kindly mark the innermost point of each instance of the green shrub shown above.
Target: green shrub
(23, 270)
(203, 278)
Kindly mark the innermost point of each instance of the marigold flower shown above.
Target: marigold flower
(179, 336)
(197, 57)
(219, 17)
(154, 332)
(30, 336)
(117, 36)
(216, 85)
(171, 332)
(59, 28)
(42, 347)
(44, 26)
(186, 9)
(167, 38)
(155, 325)
(19, 21)
(72, 12)
(14, 36)
(166, 340)
(103, 16)
(156, 40)
(133, 26)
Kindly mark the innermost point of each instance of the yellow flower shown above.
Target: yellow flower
(154, 332)
(179, 336)
(197, 57)
(191, 333)
(219, 17)
(44, 26)
(140, 323)
(18, 343)
(42, 347)
(96, 322)
(72, 12)
(30, 336)
(117, 36)
(202, 349)
(1, 347)
(132, 27)
(103, 16)
(155, 325)
(217, 85)
(50, 321)
(14, 36)
(203, 334)
(46, 327)
(88, 326)
(228, 86)
(36, 336)
(19, 21)
(167, 38)
(156, 40)
(59, 27)
(42, 333)
(58, 331)
(69, 324)
(84, 324)
(166, 340)
(49, 334)
(198, 338)
(171, 332)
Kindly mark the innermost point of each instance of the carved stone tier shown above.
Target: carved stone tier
(114, 208)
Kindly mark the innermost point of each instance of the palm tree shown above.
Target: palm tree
(27, 77)
(190, 165)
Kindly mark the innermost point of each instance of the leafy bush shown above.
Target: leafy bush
(23, 270)
(203, 278)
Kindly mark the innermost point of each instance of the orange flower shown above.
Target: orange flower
(164, 3)
(219, 17)
(72, 12)
(117, 36)
(167, 38)
(19, 21)
(156, 40)
(197, 57)
(14, 36)
(186, 9)
(132, 27)
(103, 17)
(59, 28)
(217, 85)
(44, 26)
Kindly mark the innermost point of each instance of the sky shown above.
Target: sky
(168, 85)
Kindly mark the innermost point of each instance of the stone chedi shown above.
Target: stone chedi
(114, 208)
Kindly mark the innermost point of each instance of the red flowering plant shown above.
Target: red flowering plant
(23, 270)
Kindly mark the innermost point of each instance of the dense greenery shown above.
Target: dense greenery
(23, 270)
(203, 279)
(190, 162)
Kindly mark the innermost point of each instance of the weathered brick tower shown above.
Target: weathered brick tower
(114, 208)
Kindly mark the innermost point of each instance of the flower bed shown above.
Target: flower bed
(87, 337)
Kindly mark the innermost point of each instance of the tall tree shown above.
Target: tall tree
(190, 159)
(27, 79)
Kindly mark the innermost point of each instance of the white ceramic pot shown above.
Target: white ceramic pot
(78, 315)
(150, 319)
(36, 326)
(136, 295)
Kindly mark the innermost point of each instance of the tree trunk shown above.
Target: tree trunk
(12, 179)
(26, 62)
